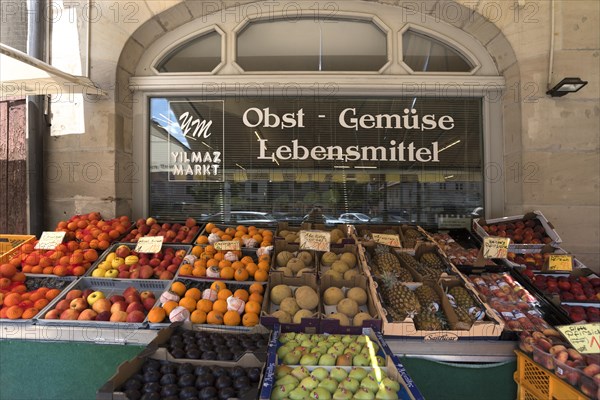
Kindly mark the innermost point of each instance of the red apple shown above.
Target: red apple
(145, 294)
(155, 262)
(166, 275)
(87, 315)
(86, 293)
(78, 304)
(173, 268)
(69, 314)
(116, 298)
(146, 272)
(52, 314)
(149, 303)
(118, 306)
(124, 275)
(123, 251)
(62, 305)
(136, 316)
(135, 306)
(118, 316)
(103, 316)
(101, 305)
(73, 294)
(134, 274)
(130, 289)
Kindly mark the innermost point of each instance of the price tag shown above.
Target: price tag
(495, 247)
(227, 245)
(585, 338)
(49, 240)
(388, 240)
(149, 244)
(560, 262)
(315, 240)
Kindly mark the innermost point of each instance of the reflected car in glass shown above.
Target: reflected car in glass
(355, 218)
(243, 217)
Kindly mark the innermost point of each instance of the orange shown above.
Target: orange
(210, 249)
(19, 289)
(7, 270)
(256, 297)
(40, 303)
(103, 244)
(264, 265)
(199, 271)
(218, 285)
(212, 263)
(186, 269)
(238, 265)
(204, 305)
(27, 269)
(19, 277)
(250, 319)
(251, 269)
(241, 275)
(246, 259)
(252, 307)
(188, 303)
(256, 288)
(4, 283)
(157, 315)
(215, 318)
(52, 293)
(258, 238)
(12, 299)
(264, 257)
(224, 294)
(220, 306)
(78, 271)
(194, 293)
(198, 317)
(202, 239)
(232, 318)
(241, 294)
(169, 306)
(60, 270)
(209, 227)
(14, 312)
(197, 250)
(30, 313)
(227, 273)
(224, 264)
(35, 295)
(178, 288)
(226, 237)
(261, 276)
(48, 270)
(219, 256)
(42, 291)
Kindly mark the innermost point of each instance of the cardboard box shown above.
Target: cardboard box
(284, 226)
(411, 245)
(362, 232)
(520, 247)
(369, 255)
(110, 390)
(393, 368)
(330, 325)
(344, 228)
(308, 325)
(490, 328)
(306, 277)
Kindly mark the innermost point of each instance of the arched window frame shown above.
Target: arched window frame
(342, 16)
(456, 46)
(189, 38)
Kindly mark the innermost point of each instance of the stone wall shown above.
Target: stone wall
(551, 145)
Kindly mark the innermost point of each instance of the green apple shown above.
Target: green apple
(113, 273)
(97, 295)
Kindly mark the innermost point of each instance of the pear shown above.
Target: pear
(310, 382)
(378, 374)
(282, 370)
(327, 360)
(286, 380)
(320, 393)
(350, 384)
(338, 373)
(364, 394)
(299, 393)
(300, 372)
(319, 373)
(360, 360)
(370, 384)
(282, 391)
(342, 394)
(309, 359)
(293, 357)
(347, 339)
(357, 373)
(385, 393)
(395, 386)
(283, 350)
(362, 339)
(286, 337)
(329, 384)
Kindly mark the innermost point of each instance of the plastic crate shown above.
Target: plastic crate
(9, 245)
(108, 287)
(536, 382)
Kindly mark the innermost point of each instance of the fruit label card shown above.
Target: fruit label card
(315, 240)
(49, 240)
(585, 338)
(149, 244)
(559, 262)
(495, 247)
(388, 240)
(227, 245)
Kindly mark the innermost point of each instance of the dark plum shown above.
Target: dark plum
(193, 354)
(218, 371)
(133, 383)
(209, 355)
(178, 353)
(208, 393)
(236, 372)
(227, 393)
(225, 356)
(168, 369)
(204, 380)
(188, 393)
(151, 396)
(241, 383)
(185, 369)
(202, 369)
(133, 394)
(186, 380)
(223, 381)
(253, 374)
(169, 390)
(152, 376)
(151, 365)
(168, 379)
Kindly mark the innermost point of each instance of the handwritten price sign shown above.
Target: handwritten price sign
(387, 239)
(227, 245)
(315, 240)
(49, 240)
(585, 338)
(560, 262)
(495, 247)
(149, 244)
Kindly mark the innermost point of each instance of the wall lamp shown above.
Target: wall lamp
(566, 86)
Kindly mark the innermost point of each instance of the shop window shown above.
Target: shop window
(423, 53)
(200, 54)
(311, 44)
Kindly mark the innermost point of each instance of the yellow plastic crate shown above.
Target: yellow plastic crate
(9, 245)
(537, 383)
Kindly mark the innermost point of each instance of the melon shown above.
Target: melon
(295, 264)
(280, 292)
(283, 257)
(282, 316)
(328, 258)
(306, 257)
(332, 296)
(302, 314)
(289, 305)
(349, 258)
(357, 294)
(360, 317)
(306, 298)
(340, 266)
(344, 321)
(348, 307)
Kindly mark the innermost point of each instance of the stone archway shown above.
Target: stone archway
(467, 16)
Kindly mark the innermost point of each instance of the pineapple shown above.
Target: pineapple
(428, 320)
(464, 316)
(411, 236)
(429, 273)
(426, 296)
(399, 300)
(409, 260)
(462, 297)
(432, 260)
